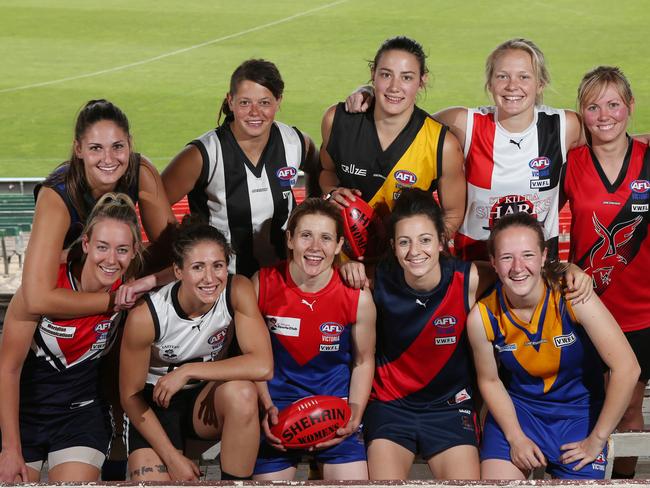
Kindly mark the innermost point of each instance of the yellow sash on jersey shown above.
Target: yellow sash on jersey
(420, 159)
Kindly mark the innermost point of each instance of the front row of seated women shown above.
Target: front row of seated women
(178, 380)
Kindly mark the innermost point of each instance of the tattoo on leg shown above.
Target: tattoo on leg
(142, 470)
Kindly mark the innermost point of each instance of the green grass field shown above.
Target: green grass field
(167, 63)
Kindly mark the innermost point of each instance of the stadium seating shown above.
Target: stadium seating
(16, 215)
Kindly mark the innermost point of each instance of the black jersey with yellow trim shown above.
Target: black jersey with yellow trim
(413, 159)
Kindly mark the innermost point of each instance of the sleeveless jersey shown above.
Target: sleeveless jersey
(422, 356)
(550, 363)
(180, 339)
(249, 204)
(508, 173)
(76, 222)
(609, 230)
(414, 158)
(61, 371)
(310, 335)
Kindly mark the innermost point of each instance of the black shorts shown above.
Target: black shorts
(87, 427)
(176, 420)
(640, 342)
(427, 432)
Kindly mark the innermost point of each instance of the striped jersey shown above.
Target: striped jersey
(511, 172)
(61, 371)
(250, 204)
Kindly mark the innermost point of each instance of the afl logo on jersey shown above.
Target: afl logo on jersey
(217, 337)
(539, 164)
(640, 186)
(405, 178)
(445, 322)
(331, 329)
(287, 176)
(103, 327)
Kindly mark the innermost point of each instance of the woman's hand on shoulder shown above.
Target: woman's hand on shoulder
(12, 467)
(360, 99)
(128, 294)
(579, 287)
(584, 451)
(354, 275)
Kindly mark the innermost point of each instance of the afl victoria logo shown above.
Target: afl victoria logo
(102, 327)
(539, 164)
(331, 329)
(405, 177)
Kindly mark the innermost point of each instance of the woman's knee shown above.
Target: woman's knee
(238, 398)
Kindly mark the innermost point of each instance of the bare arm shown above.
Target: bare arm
(481, 277)
(17, 335)
(134, 363)
(311, 167)
(452, 187)
(256, 361)
(523, 452)
(616, 352)
(456, 119)
(329, 181)
(363, 366)
(40, 294)
(575, 136)
(182, 173)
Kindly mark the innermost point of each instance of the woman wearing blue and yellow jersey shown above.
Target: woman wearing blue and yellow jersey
(552, 408)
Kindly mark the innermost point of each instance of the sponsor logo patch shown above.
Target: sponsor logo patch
(331, 329)
(50, 328)
(354, 170)
(639, 207)
(564, 340)
(287, 175)
(445, 341)
(286, 326)
(328, 347)
(506, 347)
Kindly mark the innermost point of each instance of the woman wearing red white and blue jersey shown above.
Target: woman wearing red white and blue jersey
(51, 407)
(607, 184)
(323, 338)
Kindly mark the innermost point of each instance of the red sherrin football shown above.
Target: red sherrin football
(357, 226)
(311, 420)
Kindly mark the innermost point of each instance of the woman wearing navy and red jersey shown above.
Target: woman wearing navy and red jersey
(323, 338)
(607, 185)
(421, 401)
(51, 407)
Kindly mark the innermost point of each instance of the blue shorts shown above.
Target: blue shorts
(87, 427)
(549, 434)
(270, 460)
(427, 432)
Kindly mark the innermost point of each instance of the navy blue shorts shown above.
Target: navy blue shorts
(549, 434)
(176, 420)
(427, 432)
(270, 460)
(89, 426)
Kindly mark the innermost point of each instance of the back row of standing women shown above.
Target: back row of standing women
(239, 177)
